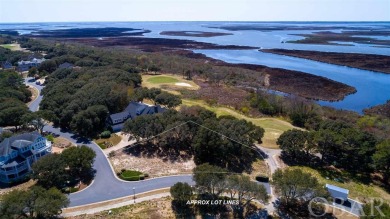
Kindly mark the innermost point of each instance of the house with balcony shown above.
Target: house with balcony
(18, 153)
(132, 111)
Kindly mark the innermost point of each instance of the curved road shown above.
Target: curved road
(106, 185)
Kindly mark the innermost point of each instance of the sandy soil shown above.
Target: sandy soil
(182, 84)
(157, 208)
(60, 144)
(154, 166)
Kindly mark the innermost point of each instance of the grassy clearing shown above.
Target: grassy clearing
(13, 46)
(167, 82)
(357, 190)
(273, 127)
(162, 80)
(108, 142)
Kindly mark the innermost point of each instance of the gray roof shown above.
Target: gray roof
(66, 65)
(337, 192)
(135, 109)
(20, 143)
(17, 142)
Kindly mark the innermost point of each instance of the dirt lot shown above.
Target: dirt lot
(156, 208)
(154, 166)
(60, 144)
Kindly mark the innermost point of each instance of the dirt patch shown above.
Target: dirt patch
(60, 144)
(156, 208)
(152, 165)
(259, 168)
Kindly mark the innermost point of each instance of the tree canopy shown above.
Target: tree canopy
(33, 203)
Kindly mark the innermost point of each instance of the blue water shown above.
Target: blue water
(372, 88)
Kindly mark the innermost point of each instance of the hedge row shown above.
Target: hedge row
(132, 175)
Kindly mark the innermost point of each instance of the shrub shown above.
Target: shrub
(105, 134)
(50, 138)
(73, 189)
(131, 175)
(102, 145)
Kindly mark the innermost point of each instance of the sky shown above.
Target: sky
(193, 10)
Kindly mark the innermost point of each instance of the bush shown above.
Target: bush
(131, 175)
(50, 138)
(102, 145)
(262, 178)
(105, 134)
(73, 189)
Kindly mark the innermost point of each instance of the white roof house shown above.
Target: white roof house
(337, 192)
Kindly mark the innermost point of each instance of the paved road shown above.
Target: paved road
(105, 185)
(34, 106)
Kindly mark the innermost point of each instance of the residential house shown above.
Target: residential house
(337, 193)
(18, 153)
(132, 111)
(26, 65)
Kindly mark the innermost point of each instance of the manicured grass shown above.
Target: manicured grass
(357, 190)
(7, 46)
(14, 46)
(167, 82)
(162, 79)
(273, 127)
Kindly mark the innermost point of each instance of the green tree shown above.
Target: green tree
(79, 161)
(210, 179)
(381, 159)
(376, 209)
(168, 100)
(12, 116)
(294, 184)
(50, 171)
(34, 203)
(32, 72)
(38, 119)
(91, 121)
(181, 191)
(245, 190)
(293, 142)
(48, 66)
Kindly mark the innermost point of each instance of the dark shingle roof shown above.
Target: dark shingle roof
(135, 109)
(66, 65)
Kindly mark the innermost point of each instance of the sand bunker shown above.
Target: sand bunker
(183, 84)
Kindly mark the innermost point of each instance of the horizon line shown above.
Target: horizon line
(238, 21)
